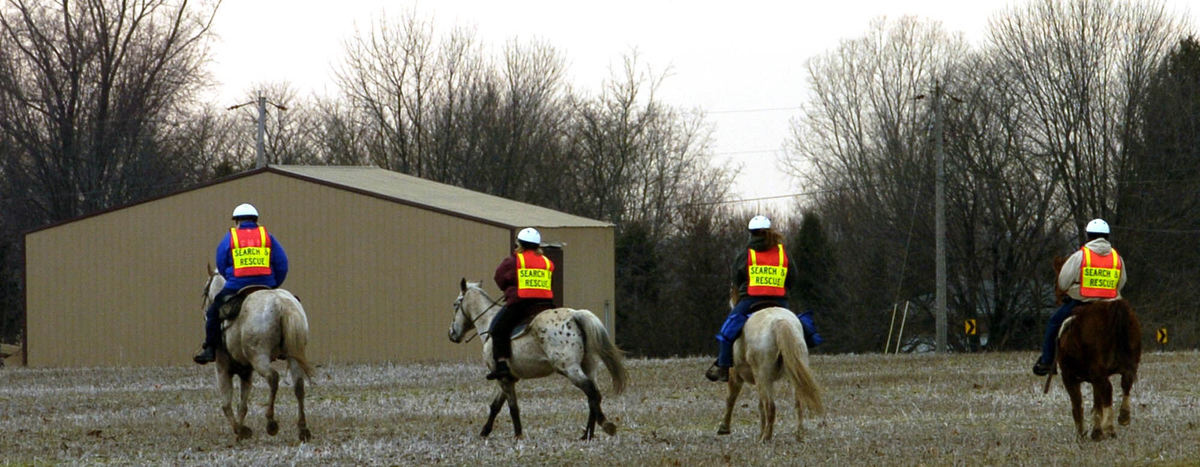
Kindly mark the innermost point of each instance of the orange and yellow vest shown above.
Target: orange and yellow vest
(766, 271)
(533, 275)
(1099, 274)
(251, 249)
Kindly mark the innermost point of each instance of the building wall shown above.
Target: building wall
(377, 278)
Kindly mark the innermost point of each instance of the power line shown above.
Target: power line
(761, 109)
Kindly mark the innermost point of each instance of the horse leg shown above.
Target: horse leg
(510, 392)
(735, 388)
(242, 430)
(1104, 398)
(1126, 387)
(497, 403)
(1073, 391)
(584, 382)
(301, 423)
(272, 378)
(766, 405)
(799, 413)
(225, 383)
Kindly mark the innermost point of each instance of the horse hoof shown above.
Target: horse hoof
(723, 430)
(1097, 435)
(244, 432)
(272, 427)
(609, 427)
(305, 435)
(1123, 418)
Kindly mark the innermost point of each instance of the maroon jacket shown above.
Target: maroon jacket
(506, 280)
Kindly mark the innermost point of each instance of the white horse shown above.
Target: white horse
(562, 340)
(271, 326)
(772, 345)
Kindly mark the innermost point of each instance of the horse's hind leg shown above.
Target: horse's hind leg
(1073, 391)
(510, 393)
(263, 366)
(1102, 423)
(298, 382)
(1126, 387)
(584, 382)
(799, 413)
(243, 431)
(766, 409)
(497, 404)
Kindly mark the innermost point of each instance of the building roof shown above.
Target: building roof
(436, 196)
(406, 189)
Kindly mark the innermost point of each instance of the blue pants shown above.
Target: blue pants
(212, 322)
(1049, 342)
(810, 329)
(733, 326)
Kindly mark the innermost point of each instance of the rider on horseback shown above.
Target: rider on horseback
(760, 274)
(1095, 272)
(524, 276)
(246, 256)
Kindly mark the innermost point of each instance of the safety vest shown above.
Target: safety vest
(533, 275)
(251, 250)
(766, 270)
(1099, 274)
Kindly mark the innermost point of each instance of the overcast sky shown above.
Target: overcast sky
(741, 62)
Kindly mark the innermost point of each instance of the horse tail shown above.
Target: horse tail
(596, 341)
(295, 338)
(789, 339)
(1126, 327)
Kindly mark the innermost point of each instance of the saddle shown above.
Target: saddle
(763, 305)
(232, 306)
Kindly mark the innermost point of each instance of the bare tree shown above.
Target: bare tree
(1076, 69)
(86, 88)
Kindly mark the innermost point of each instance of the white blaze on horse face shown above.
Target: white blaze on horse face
(459, 323)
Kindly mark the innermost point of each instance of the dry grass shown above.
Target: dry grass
(980, 409)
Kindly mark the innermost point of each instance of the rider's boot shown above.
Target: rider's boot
(717, 373)
(501, 372)
(206, 355)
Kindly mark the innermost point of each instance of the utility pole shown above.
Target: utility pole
(940, 220)
(260, 153)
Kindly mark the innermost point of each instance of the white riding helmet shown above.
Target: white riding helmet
(244, 210)
(1098, 226)
(529, 235)
(759, 222)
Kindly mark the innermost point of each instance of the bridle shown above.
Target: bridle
(458, 307)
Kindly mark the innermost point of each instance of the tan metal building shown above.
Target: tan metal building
(375, 256)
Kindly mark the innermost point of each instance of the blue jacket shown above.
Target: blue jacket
(279, 263)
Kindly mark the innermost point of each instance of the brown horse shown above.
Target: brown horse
(1098, 340)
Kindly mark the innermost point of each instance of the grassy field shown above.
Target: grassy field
(974, 409)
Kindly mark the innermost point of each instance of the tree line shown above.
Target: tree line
(1068, 111)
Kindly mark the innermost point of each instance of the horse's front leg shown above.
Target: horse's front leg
(497, 403)
(735, 388)
(225, 384)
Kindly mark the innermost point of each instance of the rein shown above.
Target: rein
(458, 307)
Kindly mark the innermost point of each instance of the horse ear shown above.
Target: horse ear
(208, 269)
(463, 284)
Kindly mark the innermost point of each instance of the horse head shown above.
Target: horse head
(470, 305)
(1059, 294)
(214, 285)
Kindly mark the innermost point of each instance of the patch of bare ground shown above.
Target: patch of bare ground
(959, 409)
